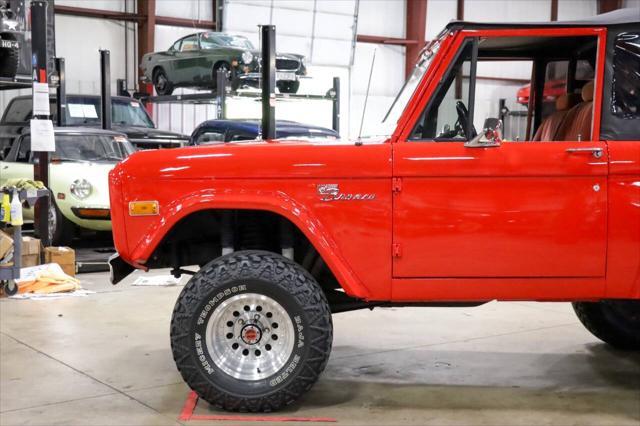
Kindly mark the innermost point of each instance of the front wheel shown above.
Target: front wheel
(616, 322)
(251, 331)
(61, 230)
(161, 83)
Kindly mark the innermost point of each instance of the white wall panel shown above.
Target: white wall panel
(78, 41)
(439, 13)
(634, 4)
(320, 30)
(382, 18)
(116, 5)
(508, 11)
(191, 9)
(165, 35)
(569, 10)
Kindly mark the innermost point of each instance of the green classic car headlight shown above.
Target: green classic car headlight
(247, 57)
(81, 188)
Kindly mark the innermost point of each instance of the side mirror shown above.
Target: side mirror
(491, 135)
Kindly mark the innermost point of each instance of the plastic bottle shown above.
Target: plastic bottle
(5, 208)
(16, 210)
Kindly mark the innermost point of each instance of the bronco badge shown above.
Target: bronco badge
(331, 192)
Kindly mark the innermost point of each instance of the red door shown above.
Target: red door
(523, 209)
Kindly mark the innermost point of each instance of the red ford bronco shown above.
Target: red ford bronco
(443, 209)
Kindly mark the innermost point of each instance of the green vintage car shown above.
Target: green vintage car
(194, 60)
(78, 178)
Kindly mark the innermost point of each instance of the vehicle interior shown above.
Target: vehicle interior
(558, 79)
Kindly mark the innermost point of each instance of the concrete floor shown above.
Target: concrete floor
(105, 360)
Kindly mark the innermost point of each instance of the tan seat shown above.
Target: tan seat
(577, 123)
(549, 127)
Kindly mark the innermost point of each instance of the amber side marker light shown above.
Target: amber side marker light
(143, 208)
(88, 213)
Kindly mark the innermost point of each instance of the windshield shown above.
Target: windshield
(97, 148)
(389, 122)
(215, 40)
(124, 112)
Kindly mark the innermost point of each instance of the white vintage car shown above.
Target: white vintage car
(78, 177)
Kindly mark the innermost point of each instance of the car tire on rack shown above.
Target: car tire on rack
(251, 331)
(161, 82)
(288, 86)
(9, 60)
(616, 322)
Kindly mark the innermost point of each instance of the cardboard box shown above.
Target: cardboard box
(30, 252)
(6, 242)
(63, 256)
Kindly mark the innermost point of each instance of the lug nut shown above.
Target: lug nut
(240, 321)
(256, 317)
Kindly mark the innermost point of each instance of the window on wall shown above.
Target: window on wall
(625, 96)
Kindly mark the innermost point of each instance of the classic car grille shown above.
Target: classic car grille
(287, 64)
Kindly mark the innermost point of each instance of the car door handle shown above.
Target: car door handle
(596, 152)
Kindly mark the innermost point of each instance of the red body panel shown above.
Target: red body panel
(524, 221)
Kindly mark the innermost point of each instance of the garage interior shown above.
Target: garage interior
(101, 355)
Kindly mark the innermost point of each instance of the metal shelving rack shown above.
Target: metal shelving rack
(10, 273)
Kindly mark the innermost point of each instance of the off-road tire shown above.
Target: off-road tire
(165, 90)
(9, 60)
(288, 86)
(614, 322)
(252, 272)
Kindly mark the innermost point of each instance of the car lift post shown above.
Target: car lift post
(335, 119)
(221, 94)
(61, 92)
(40, 75)
(268, 81)
(105, 88)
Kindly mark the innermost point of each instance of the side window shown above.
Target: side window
(24, 151)
(189, 44)
(447, 114)
(625, 99)
(18, 111)
(176, 46)
(241, 136)
(210, 137)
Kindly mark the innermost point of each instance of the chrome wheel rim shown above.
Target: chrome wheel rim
(250, 336)
(161, 82)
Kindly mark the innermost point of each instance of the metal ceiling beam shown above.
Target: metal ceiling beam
(96, 13)
(134, 17)
(361, 38)
(187, 23)
(416, 26)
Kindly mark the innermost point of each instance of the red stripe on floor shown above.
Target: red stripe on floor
(192, 400)
(237, 418)
(189, 406)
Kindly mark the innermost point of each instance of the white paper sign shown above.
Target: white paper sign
(41, 99)
(42, 136)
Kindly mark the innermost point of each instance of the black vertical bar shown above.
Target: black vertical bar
(540, 71)
(221, 94)
(335, 119)
(268, 81)
(472, 90)
(105, 88)
(40, 75)
(61, 92)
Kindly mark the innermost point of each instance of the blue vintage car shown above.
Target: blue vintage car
(220, 131)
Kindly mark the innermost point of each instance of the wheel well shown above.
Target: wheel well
(207, 234)
(8, 36)
(217, 65)
(156, 69)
